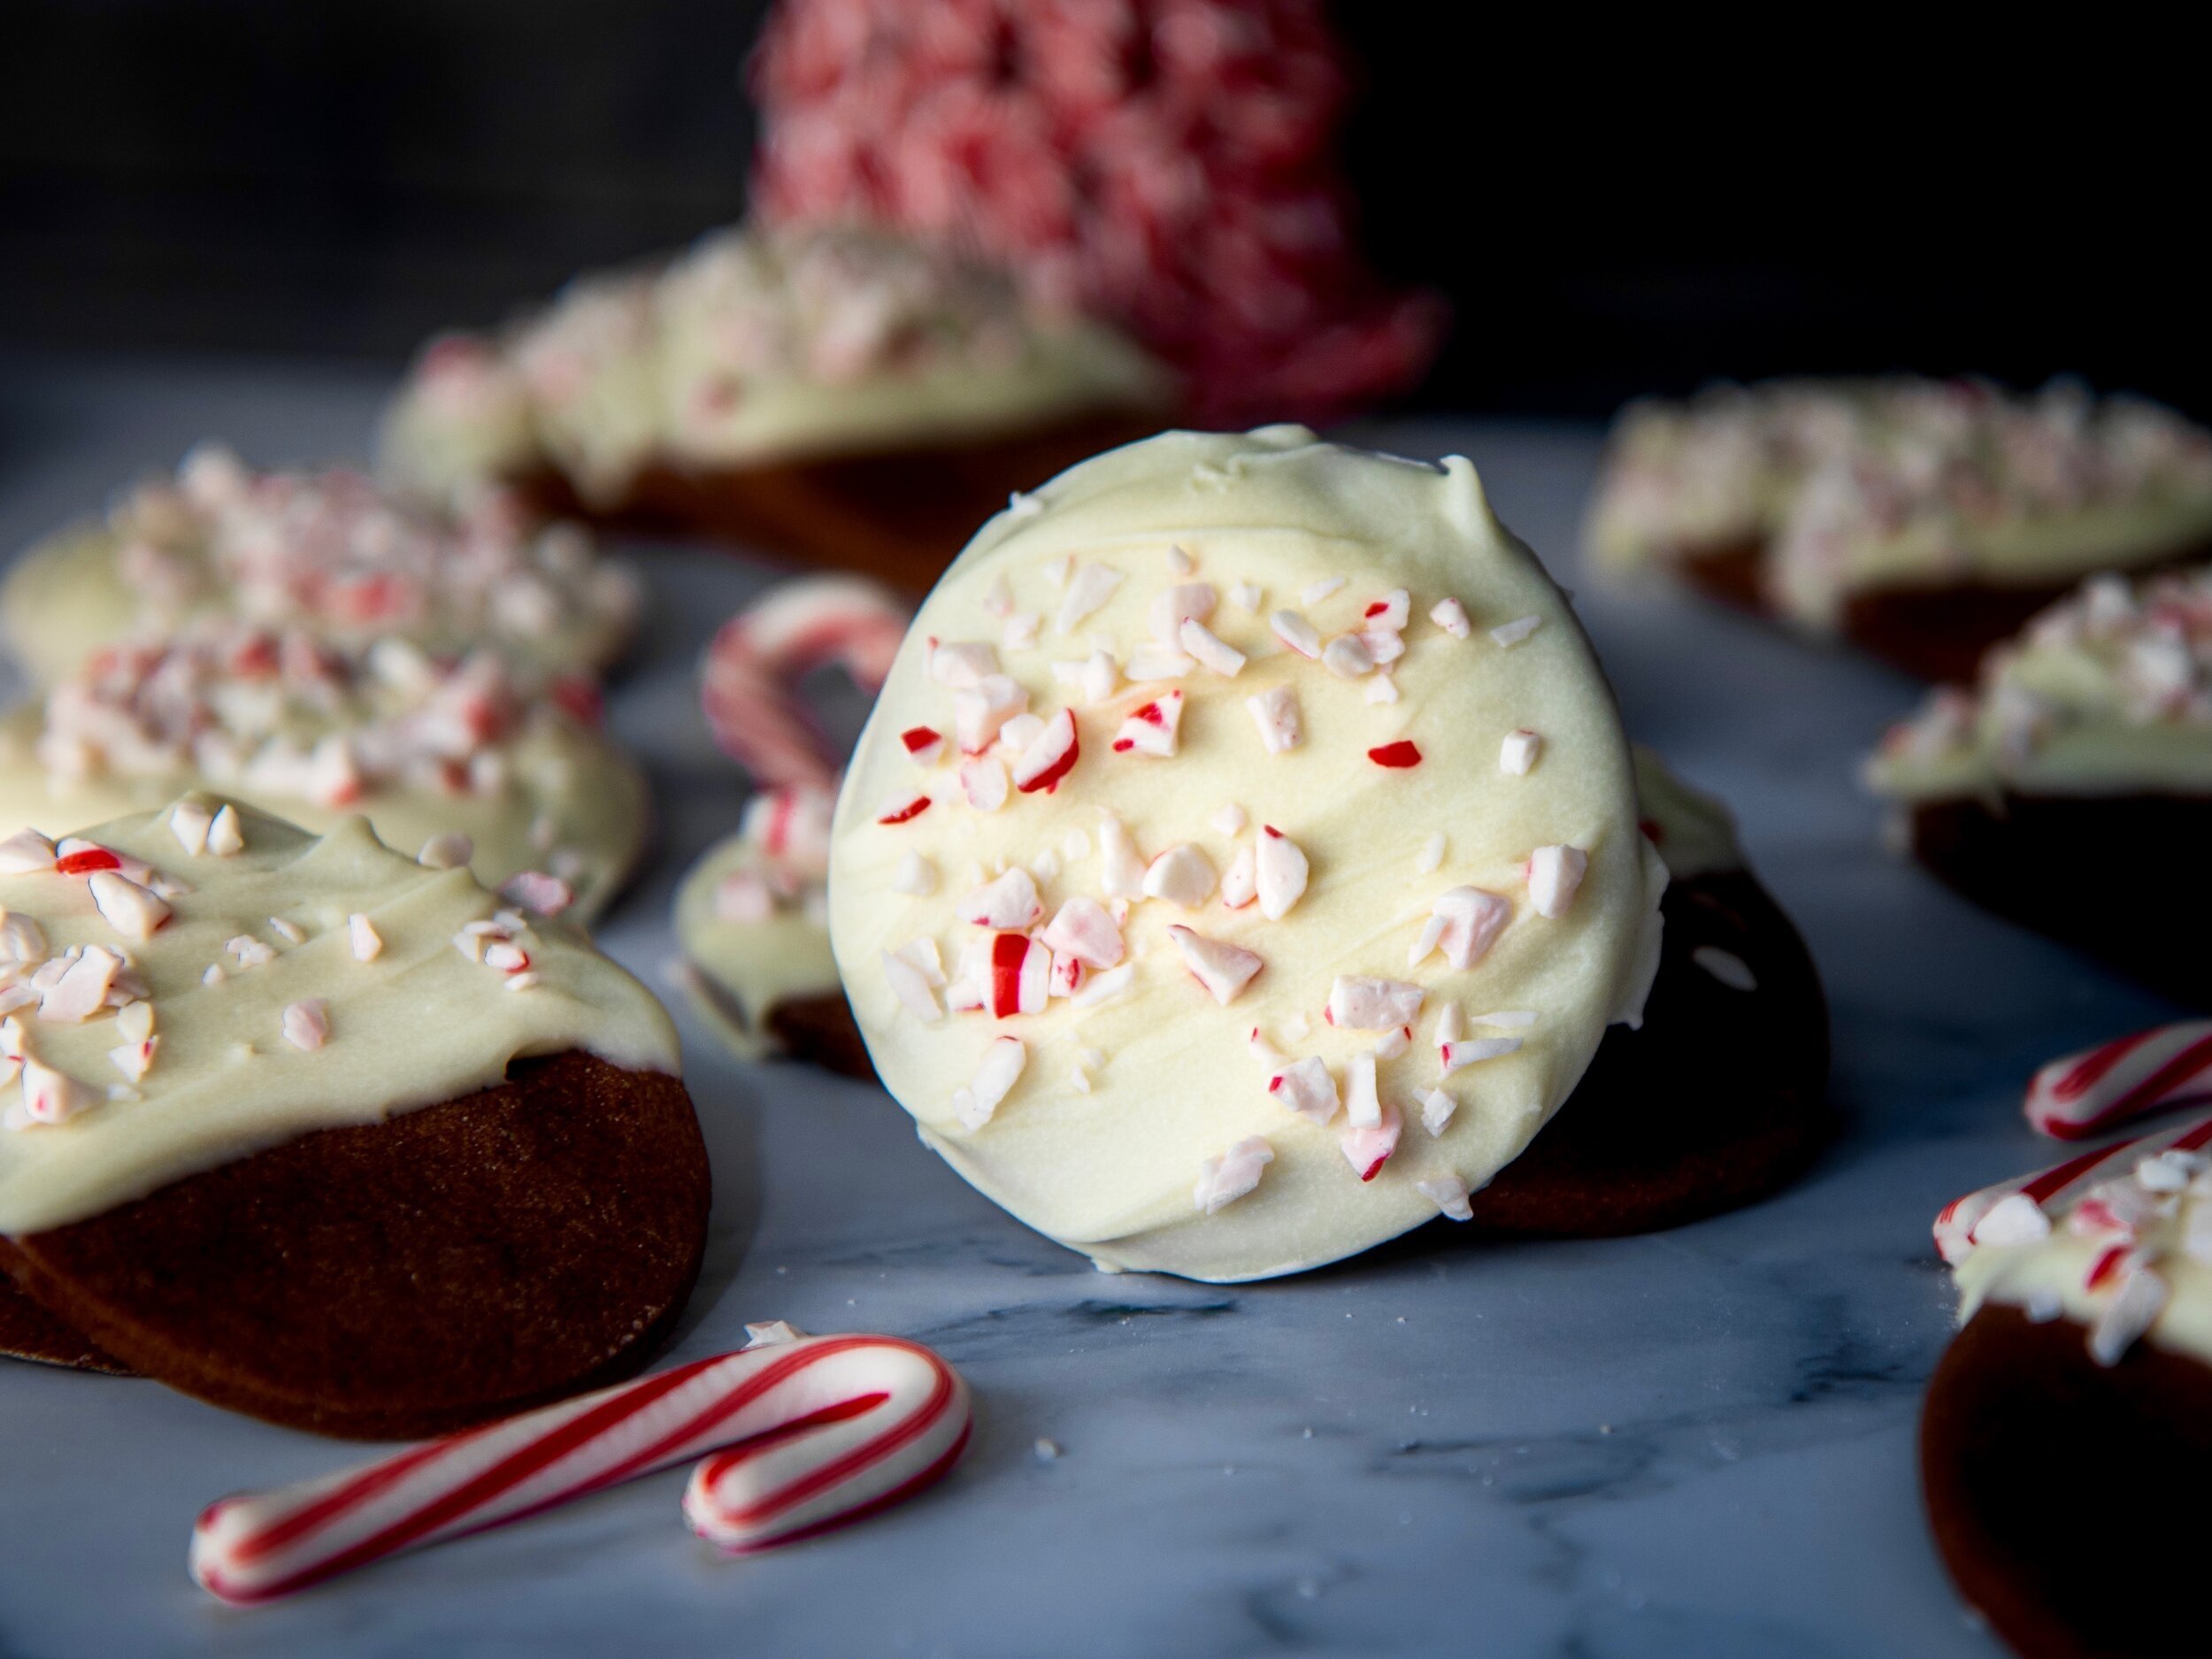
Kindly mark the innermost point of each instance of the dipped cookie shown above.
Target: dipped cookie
(2090, 732)
(844, 395)
(1922, 521)
(752, 915)
(2077, 1390)
(474, 761)
(1267, 889)
(318, 1132)
(324, 554)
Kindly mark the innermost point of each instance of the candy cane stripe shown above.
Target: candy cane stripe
(788, 1402)
(2054, 1188)
(2073, 1098)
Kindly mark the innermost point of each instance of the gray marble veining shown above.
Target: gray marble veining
(1695, 1443)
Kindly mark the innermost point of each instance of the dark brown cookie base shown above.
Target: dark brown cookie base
(1718, 1100)
(2052, 1484)
(407, 1278)
(898, 516)
(2002, 855)
(1936, 633)
(28, 1331)
(820, 1031)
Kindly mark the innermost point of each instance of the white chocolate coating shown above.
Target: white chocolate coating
(752, 919)
(2108, 692)
(1172, 1081)
(755, 346)
(320, 552)
(416, 1023)
(314, 735)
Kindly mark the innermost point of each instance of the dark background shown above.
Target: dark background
(1611, 208)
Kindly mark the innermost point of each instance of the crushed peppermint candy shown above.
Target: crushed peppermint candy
(1152, 727)
(1448, 1194)
(363, 939)
(1368, 1146)
(1555, 875)
(134, 911)
(1360, 1003)
(1467, 1051)
(1182, 875)
(306, 1024)
(999, 1069)
(1275, 712)
(1518, 754)
(449, 851)
(1451, 616)
(1395, 757)
(1232, 1175)
(1223, 969)
(26, 852)
(1305, 1087)
(1510, 633)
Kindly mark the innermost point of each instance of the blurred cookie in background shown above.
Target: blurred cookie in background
(1921, 521)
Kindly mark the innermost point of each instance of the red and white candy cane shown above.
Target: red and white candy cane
(2083, 1094)
(750, 682)
(885, 1421)
(839, 1426)
(2054, 1190)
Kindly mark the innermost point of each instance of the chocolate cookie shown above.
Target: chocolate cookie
(1934, 632)
(403, 1279)
(2001, 854)
(28, 1331)
(2044, 1472)
(1717, 1101)
(897, 515)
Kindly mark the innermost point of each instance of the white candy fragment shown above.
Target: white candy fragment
(1468, 1050)
(135, 1057)
(1179, 562)
(998, 598)
(1046, 759)
(81, 989)
(1469, 921)
(1228, 819)
(1448, 1194)
(1089, 587)
(1225, 1179)
(912, 987)
(1367, 1147)
(134, 1021)
(1152, 727)
(226, 836)
(1021, 630)
(1359, 1003)
(1363, 1103)
(1514, 632)
(1511, 1018)
(1555, 875)
(980, 710)
(1348, 654)
(1314, 593)
(1009, 904)
(999, 1071)
(1437, 1107)
(1451, 616)
(960, 664)
(1726, 966)
(1246, 597)
(915, 875)
(306, 1024)
(2016, 1218)
(1182, 875)
(1393, 611)
(129, 909)
(2141, 1298)
(1083, 930)
(1190, 602)
(985, 784)
(1223, 968)
(51, 1096)
(1381, 688)
(1121, 869)
(743, 899)
(290, 932)
(1517, 755)
(1019, 731)
(449, 851)
(1241, 882)
(1430, 857)
(1448, 1027)
(770, 1334)
(26, 852)
(1103, 987)
(189, 822)
(1294, 631)
(1283, 872)
(1265, 1052)
(1385, 646)
(1275, 712)
(367, 944)
(1305, 1087)
(1207, 647)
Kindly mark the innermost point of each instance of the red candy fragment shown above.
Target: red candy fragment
(1397, 755)
(83, 864)
(912, 808)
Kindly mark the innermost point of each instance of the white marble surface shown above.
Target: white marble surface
(1696, 1443)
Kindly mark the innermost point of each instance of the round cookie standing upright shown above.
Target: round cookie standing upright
(313, 1131)
(1307, 757)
